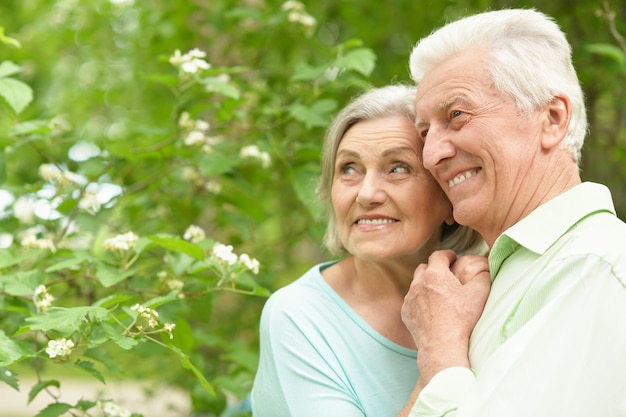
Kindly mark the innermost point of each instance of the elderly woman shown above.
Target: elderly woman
(333, 342)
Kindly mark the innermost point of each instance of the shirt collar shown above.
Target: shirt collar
(548, 222)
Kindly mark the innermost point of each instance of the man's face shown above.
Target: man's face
(477, 144)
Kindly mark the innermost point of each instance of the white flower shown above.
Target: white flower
(24, 209)
(69, 177)
(213, 187)
(50, 172)
(31, 241)
(150, 315)
(202, 125)
(195, 137)
(168, 327)
(307, 20)
(175, 284)
(194, 234)
(190, 63)
(59, 348)
(42, 299)
(185, 121)
(111, 409)
(89, 201)
(298, 14)
(190, 174)
(252, 151)
(250, 263)
(292, 5)
(224, 253)
(123, 242)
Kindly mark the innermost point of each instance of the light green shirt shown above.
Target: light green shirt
(552, 338)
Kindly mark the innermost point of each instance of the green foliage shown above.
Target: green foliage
(146, 148)
(142, 152)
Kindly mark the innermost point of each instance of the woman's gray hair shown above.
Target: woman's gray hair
(378, 103)
(527, 55)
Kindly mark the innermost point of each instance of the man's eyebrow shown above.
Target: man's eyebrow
(449, 102)
(442, 107)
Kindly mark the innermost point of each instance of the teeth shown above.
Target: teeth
(462, 177)
(375, 221)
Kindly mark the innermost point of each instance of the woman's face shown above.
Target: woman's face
(387, 205)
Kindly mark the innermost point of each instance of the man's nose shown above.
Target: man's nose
(437, 148)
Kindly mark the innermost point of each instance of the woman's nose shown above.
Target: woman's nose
(371, 191)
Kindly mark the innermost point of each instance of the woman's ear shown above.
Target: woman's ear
(557, 118)
(450, 219)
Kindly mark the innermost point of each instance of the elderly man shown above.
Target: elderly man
(502, 117)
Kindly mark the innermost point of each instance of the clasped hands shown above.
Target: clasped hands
(446, 298)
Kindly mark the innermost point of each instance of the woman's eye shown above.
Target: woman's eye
(455, 114)
(346, 169)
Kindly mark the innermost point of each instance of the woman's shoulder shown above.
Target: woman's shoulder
(307, 296)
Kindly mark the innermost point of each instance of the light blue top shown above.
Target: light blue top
(320, 359)
(552, 338)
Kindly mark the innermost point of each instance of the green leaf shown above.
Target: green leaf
(125, 342)
(607, 50)
(8, 41)
(40, 386)
(54, 410)
(3, 166)
(216, 85)
(109, 275)
(246, 359)
(30, 127)
(215, 163)
(304, 180)
(65, 320)
(22, 284)
(362, 60)
(68, 263)
(16, 93)
(164, 299)
(12, 351)
(177, 244)
(103, 357)
(8, 258)
(90, 369)
(111, 300)
(184, 360)
(10, 378)
(316, 115)
(7, 67)
(165, 79)
(85, 404)
(305, 72)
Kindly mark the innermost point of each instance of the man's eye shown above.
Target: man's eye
(455, 113)
(423, 133)
(400, 169)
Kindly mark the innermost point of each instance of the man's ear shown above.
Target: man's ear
(450, 219)
(558, 114)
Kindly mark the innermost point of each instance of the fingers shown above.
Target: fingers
(442, 258)
(469, 267)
